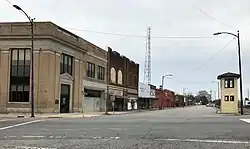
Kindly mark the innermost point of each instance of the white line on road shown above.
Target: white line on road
(6, 120)
(207, 141)
(245, 120)
(32, 147)
(21, 124)
(33, 136)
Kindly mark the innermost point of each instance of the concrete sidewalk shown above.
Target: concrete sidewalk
(68, 115)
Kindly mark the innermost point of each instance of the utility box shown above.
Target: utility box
(229, 92)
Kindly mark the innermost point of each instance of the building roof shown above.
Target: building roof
(228, 75)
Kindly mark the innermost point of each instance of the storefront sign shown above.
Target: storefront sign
(144, 90)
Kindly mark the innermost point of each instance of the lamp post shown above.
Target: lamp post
(162, 85)
(240, 71)
(184, 89)
(32, 59)
(218, 88)
(162, 79)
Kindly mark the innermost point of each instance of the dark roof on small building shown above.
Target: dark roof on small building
(228, 75)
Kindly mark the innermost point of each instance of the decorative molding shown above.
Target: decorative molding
(93, 84)
(66, 76)
(48, 51)
(5, 52)
(97, 57)
(58, 54)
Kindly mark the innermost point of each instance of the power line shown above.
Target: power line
(211, 58)
(214, 18)
(8, 2)
(141, 36)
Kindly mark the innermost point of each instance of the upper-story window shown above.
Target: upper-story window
(229, 83)
(113, 75)
(91, 70)
(20, 75)
(66, 64)
(101, 73)
(119, 81)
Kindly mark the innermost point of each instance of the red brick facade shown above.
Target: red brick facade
(165, 99)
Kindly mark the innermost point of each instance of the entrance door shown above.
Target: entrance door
(65, 97)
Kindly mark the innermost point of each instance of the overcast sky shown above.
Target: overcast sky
(194, 63)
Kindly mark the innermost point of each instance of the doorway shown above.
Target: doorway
(64, 98)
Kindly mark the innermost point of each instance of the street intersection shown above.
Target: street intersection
(190, 127)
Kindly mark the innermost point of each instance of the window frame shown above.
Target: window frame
(231, 98)
(226, 97)
(119, 78)
(227, 83)
(64, 64)
(101, 73)
(20, 83)
(90, 70)
(112, 75)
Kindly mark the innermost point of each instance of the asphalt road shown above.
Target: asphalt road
(183, 128)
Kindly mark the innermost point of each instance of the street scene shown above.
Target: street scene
(192, 127)
(113, 74)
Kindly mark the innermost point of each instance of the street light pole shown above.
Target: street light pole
(218, 88)
(240, 71)
(162, 79)
(162, 83)
(184, 96)
(32, 59)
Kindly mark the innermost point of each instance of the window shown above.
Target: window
(226, 98)
(101, 73)
(66, 64)
(229, 83)
(231, 98)
(119, 77)
(92, 93)
(91, 70)
(20, 75)
(113, 75)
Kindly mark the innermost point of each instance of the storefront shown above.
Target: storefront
(93, 98)
(116, 95)
(132, 98)
(144, 96)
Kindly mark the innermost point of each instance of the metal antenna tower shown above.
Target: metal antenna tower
(147, 65)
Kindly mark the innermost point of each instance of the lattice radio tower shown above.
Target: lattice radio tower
(147, 65)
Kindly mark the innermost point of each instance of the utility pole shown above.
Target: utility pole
(32, 59)
(107, 81)
(248, 93)
(211, 92)
(184, 96)
(240, 69)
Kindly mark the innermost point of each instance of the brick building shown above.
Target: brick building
(165, 99)
(123, 81)
(66, 68)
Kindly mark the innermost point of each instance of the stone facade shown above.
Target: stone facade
(50, 43)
